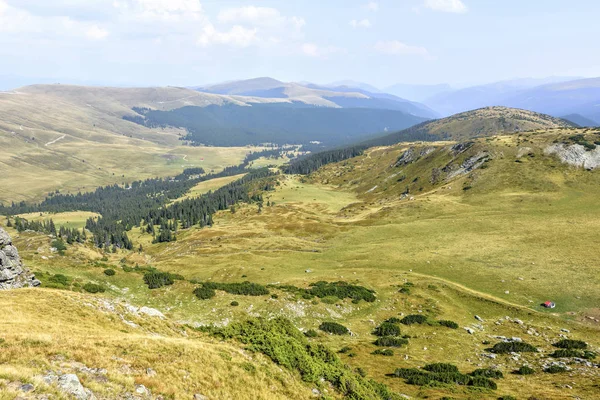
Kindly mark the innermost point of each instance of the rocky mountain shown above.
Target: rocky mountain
(12, 273)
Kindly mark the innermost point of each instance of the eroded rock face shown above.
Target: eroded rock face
(576, 155)
(12, 273)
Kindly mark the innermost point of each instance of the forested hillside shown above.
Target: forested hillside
(284, 123)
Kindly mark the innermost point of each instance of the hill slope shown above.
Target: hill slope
(477, 123)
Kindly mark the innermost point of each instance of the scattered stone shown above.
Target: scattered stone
(506, 292)
(28, 387)
(199, 396)
(316, 392)
(142, 390)
(518, 321)
(70, 384)
(478, 318)
(469, 330)
(565, 330)
(308, 271)
(150, 372)
(489, 355)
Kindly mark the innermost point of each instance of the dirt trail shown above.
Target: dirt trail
(55, 140)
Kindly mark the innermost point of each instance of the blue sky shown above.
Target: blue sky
(381, 42)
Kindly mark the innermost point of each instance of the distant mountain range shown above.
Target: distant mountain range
(338, 95)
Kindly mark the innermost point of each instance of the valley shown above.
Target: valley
(477, 233)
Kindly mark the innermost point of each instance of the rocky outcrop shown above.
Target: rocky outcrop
(12, 273)
(576, 155)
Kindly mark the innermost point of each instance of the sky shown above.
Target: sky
(380, 42)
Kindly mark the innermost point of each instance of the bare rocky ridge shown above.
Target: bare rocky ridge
(12, 273)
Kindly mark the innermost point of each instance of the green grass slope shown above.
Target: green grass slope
(482, 122)
(490, 229)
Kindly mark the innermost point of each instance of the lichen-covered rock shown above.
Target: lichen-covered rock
(12, 273)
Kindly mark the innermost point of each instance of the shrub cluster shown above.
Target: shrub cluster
(433, 374)
(448, 324)
(571, 344)
(488, 373)
(109, 272)
(413, 319)
(59, 279)
(156, 279)
(311, 333)
(390, 341)
(204, 293)
(244, 288)
(288, 347)
(387, 329)
(513, 347)
(384, 352)
(93, 288)
(334, 328)
(555, 369)
(525, 370)
(341, 290)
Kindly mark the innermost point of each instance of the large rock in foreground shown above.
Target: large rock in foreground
(12, 273)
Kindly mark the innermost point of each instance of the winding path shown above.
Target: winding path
(55, 140)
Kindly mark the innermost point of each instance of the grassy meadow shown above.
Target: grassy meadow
(522, 232)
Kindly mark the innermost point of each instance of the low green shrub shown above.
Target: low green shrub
(389, 341)
(440, 367)
(234, 303)
(507, 398)
(243, 288)
(479, 381)
(571, 344)
(156, 279)
(488, 373)
(93, 288)
(564, 353)
(555, 369)
(413, 319)
(448, 323)
(513, 347)
(384, 352)
(204, 293)
(387, 329)
(279, 340)
(59, 279)
(525, 370)
(109, 272)
(311, 333)
(334, 328)
(393, 320)
(345, 350)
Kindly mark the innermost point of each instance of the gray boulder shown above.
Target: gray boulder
(12, 273)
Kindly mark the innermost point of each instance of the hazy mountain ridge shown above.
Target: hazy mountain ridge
(345, 95)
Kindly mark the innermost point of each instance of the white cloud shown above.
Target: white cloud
(396, 47)
(450, 6)
(96, 33)
(18, 21)
(237, 36)
(259, 16)
(314, 50)
(373, 6)
(363, 23)
(160, 10)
